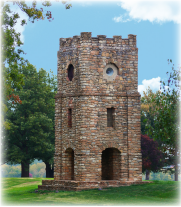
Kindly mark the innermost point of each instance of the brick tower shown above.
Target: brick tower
(97, 114)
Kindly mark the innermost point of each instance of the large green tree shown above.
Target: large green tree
(147, 109)
(11, 59)
(11, 52)
(166, 127)
(31, 122)
(147, 118)
(146, 106)
(148, 154)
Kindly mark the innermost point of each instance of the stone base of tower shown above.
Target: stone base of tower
(71, 185)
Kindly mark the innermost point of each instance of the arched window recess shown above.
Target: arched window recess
(70, 72)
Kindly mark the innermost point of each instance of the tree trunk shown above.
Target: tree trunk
(176, 164)
(52, 172)
(176, 172)
(147, 174)
(49, 170)
(25, 169)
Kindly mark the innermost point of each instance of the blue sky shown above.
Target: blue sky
(156, 24)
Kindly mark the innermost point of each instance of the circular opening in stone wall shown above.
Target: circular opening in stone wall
(109, 71)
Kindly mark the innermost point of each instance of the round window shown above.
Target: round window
(109, 71)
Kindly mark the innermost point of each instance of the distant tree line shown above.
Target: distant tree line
(36, 170)
(161, 176)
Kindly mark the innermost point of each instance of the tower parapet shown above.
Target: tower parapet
(90, 56)
(67, 42)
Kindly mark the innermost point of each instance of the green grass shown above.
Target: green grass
(21, 191)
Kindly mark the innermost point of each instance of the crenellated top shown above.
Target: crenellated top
(87, 37)
(97, 65)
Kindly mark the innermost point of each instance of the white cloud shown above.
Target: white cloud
(153, 11)
(122, 18)
(84, 3)
(154, 85)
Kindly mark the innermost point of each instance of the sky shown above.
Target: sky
(156, 24)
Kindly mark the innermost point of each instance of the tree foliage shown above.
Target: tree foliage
(147, 112)
(147, 117)
(32, 122)
(11, 60)
(152, 157)
(166, 126)
(11, 57)
(36, 13)
(147, 109)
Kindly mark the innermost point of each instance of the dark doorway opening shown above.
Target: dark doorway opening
(69, 164)
(111, 164)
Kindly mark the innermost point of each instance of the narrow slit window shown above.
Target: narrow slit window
(70, 72)
(110, 117)
(70, 118)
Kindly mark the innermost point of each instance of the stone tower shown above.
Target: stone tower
(97, 114)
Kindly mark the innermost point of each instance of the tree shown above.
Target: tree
(147, 117)
(31, 123)
(147, 107)
(48, 158)
(38, 170)
(35, 13)
(152, 157)
(11, 59)
(166, 117)
(10, 171)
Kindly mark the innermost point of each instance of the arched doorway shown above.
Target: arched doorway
(69, 164)
(111, 164)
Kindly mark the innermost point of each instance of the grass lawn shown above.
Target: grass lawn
(21, 191)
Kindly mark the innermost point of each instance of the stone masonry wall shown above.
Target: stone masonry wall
(89, 95)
